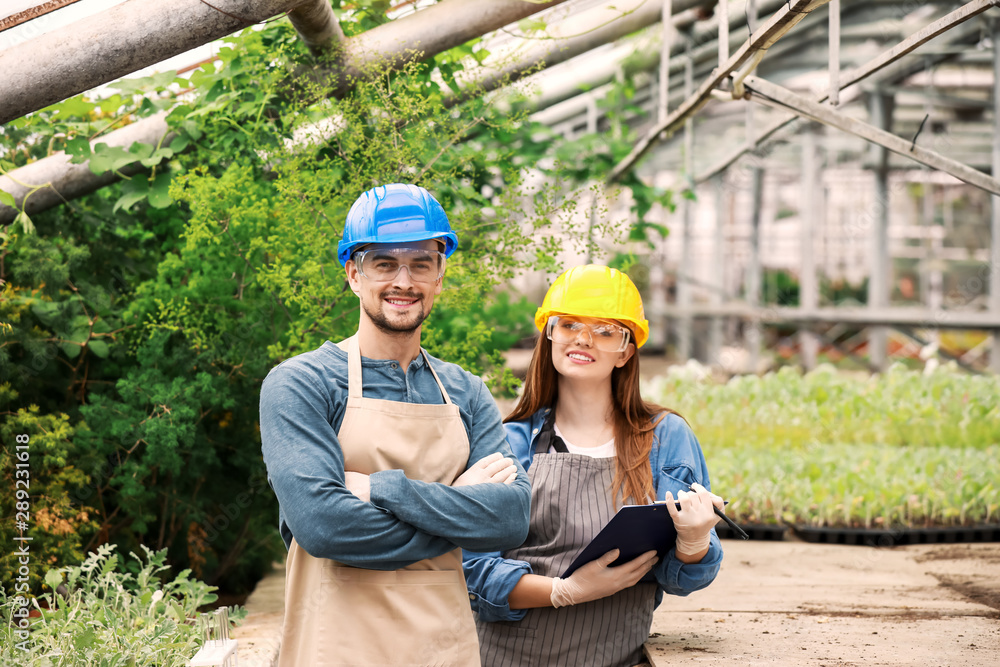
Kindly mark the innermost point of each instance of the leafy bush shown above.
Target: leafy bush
(52, 464)
(109, 616)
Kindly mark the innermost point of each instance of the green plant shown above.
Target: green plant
(52, 513)
(108, 616)
(826, 448)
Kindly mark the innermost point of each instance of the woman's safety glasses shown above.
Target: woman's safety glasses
(383, 264)
(603, 335)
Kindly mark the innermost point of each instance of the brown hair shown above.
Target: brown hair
(633, 418)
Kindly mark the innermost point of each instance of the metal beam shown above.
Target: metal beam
(641, 57)
(752, 280)
(921, 318)
(775, 95)
(922, 36)
(52, 180)
(810, 212)
(780, 23)
(723, 11)
(834, 94)
(684, 325)
(718, 263)
(994, 267)
(667, 41)
(879, 63)
(880, 262)
(572, 37)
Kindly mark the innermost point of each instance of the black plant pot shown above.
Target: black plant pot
(756, 531)
(897, 537)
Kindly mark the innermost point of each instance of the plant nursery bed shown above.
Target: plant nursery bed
(756, 531)
(891, 538)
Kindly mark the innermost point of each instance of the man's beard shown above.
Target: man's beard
(383, 324)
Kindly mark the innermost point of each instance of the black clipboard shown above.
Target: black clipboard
(634, 530)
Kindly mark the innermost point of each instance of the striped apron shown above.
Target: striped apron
(570, 503)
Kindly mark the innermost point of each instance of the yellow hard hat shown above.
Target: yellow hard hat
(592, 290)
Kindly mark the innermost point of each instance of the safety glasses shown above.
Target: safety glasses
(383, 264)
(602, 335)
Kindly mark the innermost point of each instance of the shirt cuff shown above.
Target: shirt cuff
(384, 487)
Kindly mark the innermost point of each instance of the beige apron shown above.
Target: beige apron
(420, 615)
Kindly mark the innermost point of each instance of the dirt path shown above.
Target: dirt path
(793, 603)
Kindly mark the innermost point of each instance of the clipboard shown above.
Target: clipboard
(634, 530)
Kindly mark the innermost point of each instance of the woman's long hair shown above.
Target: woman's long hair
(633, 418)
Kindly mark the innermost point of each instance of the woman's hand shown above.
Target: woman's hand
(694, 520)
(492, 469)
(596, 579)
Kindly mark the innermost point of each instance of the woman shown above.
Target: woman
(590, 444)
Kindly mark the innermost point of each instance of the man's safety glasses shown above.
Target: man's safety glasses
(383, 264)
(603, 335)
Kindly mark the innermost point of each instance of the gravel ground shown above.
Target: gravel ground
(793, 603)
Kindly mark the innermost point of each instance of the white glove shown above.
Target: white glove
(695, 518)
(492, 469)
(596, 580)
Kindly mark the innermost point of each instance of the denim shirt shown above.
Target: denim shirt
(676, 460)
(302, 406)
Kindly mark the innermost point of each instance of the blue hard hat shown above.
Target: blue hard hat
(395, 213)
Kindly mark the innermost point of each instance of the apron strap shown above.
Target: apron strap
(354, 382)
(547, 438)
(427, 360)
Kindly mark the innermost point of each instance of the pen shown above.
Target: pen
(729, 522)
(732, 524)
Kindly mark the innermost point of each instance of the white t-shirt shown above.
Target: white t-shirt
(605, 451)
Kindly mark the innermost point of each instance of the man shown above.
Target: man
(382, 479)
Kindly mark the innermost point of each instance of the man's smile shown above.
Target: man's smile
(401, 301)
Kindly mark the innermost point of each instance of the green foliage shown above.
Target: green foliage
(58, 521)
(110, 615)
(831, 448)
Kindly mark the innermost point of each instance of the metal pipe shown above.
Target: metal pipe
(810, 209)
(668, 40)
(879, 267)
(994, 267)
(834, 95)
(718, 264)
(752, 335)
(723, 12)
(685, 324)
(920, 318)
(584, 37)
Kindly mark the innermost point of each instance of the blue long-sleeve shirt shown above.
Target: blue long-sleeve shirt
(676, 460)
(302, 405)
